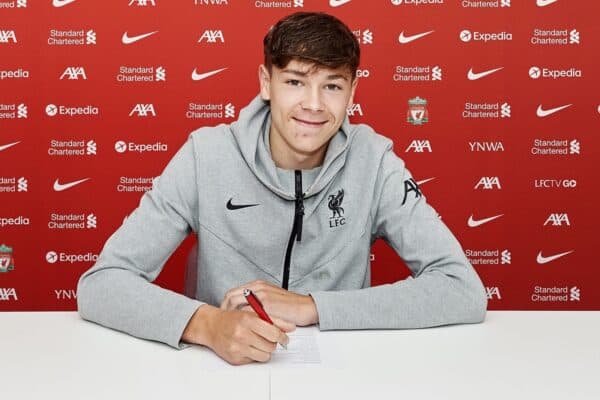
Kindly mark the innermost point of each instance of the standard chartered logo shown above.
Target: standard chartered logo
(229, 110)
(505, 257)
(574, 37)
(575, 294)
(91, 147)
(21, 3)
(574, 147)
(436, 73)
(367, 37)
(22, 185)
(91, 221)
(161, 74)
(298, 3)
(505, 3)
(21, 111)
(90, 37)
(505, 111)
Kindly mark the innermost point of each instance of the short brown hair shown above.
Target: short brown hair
(311, 37)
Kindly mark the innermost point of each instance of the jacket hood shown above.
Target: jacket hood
(251, 132)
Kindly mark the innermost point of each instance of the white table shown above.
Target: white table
(513, 355)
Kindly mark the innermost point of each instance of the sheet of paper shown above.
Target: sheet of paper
(302, 349)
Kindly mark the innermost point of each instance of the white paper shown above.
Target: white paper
(302, 349)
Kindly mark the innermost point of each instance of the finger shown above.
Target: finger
(285, 326)
(230, 293)
(261, 343)
(270, 332)
(257, 354)
(234, 302)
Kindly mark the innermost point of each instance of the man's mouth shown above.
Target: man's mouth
(309, 122)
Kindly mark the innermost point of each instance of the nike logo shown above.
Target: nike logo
(59, 188)
(6, 146)
(544, 113)
(544, 3)
(474, 76)
(419, 183)
(128, 40)
(198, 77)
(61, 3)
(238, 206)
(407, 39)
(543, 260)
(474, 223)
(337, 3)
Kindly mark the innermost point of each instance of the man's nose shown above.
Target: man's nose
(312, 100)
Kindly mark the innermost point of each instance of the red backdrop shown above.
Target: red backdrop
(504, 148)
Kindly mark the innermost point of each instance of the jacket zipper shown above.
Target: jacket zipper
(296, 228)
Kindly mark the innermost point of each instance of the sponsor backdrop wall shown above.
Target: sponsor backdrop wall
(492, 104)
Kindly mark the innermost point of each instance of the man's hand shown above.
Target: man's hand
(279, 303)
(238, 337)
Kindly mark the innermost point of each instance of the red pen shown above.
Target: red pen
(258, 308)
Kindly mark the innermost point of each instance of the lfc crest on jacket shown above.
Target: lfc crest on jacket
(335, 205)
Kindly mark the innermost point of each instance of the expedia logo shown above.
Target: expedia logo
(122, 147)
(14, 221)
(14, 74)
(335, 205)
(547, 73)
(468, 36)
(53, 110)
(52, 257)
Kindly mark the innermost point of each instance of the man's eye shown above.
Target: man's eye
(332, 86)
(293, 82)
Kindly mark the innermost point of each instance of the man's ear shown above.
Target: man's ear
(352, 91)
(264, 78)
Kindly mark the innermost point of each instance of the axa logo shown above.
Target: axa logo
(142, 3)
(419, 146)
(212, 36)
(7, 294)
(8, 36)
(143, 110)
(411, 186)
(493, 292)
(488, 183)
(65, 294)
(486, 146)
(335, 205)
(72, 73)
(558, 219)
(354, 109)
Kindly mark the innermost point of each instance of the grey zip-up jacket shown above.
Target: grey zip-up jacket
(308, 231)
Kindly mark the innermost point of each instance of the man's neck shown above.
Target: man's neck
(285, 158)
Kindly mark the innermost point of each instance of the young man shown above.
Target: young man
(286, 201)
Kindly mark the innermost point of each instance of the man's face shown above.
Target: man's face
(308, 106)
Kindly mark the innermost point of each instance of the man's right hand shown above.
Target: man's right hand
(238, 337)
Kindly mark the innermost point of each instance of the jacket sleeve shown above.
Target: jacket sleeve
(443, 289)
(117, 291)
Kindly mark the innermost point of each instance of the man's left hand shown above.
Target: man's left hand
(280, 303)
